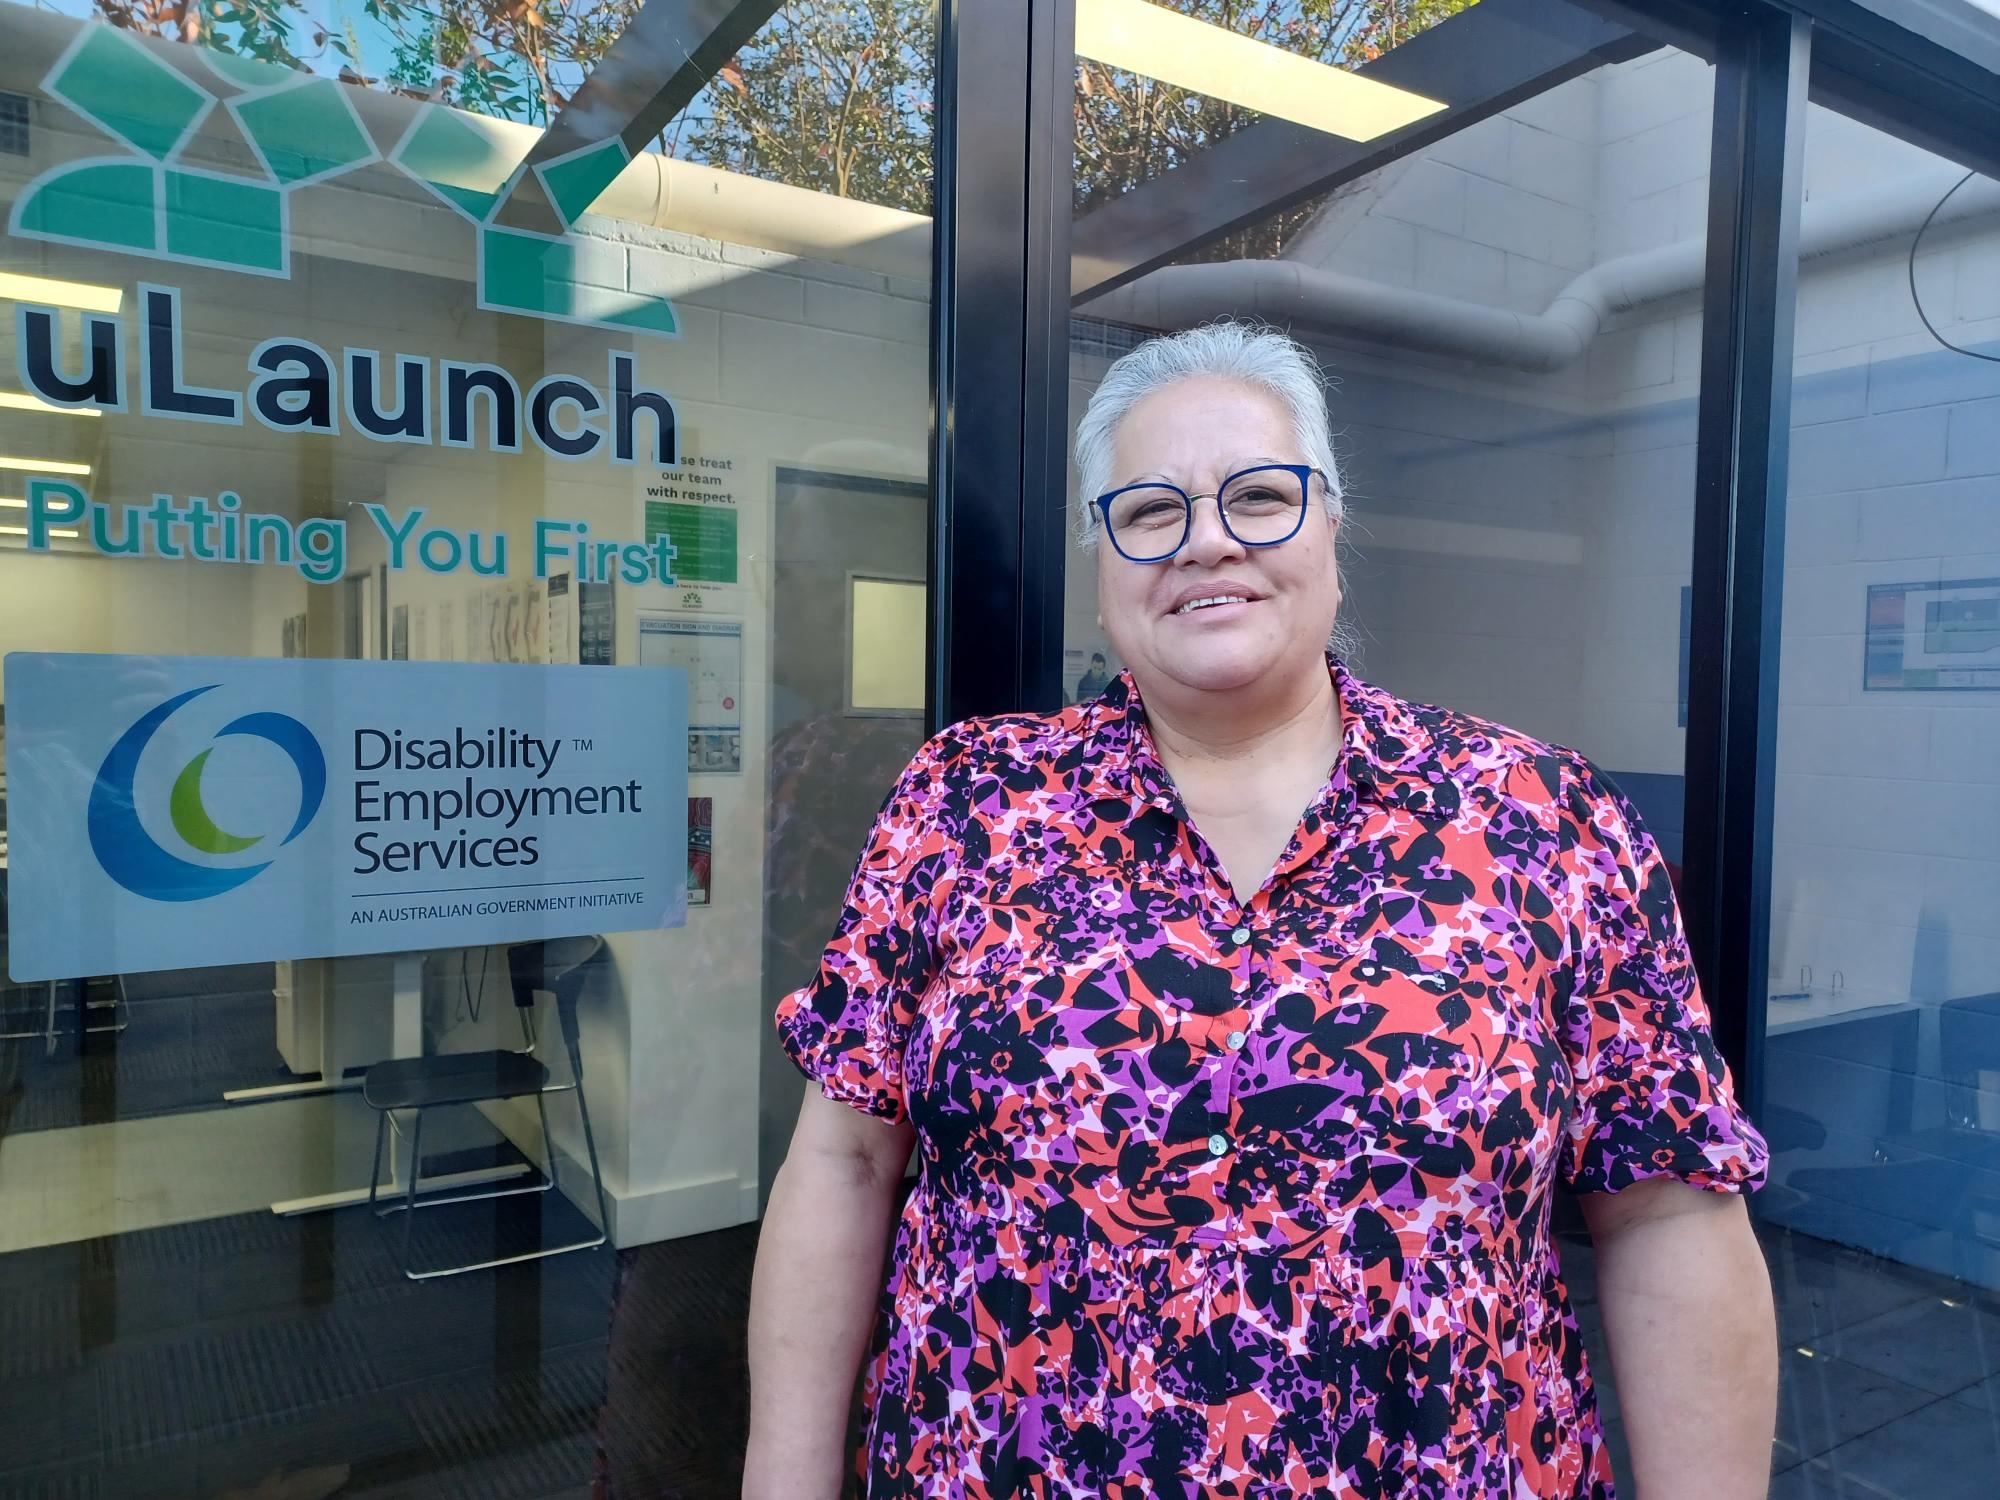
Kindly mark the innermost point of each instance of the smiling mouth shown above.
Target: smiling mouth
(1211, 602)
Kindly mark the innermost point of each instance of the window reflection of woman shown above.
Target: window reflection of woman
(1244, 1022)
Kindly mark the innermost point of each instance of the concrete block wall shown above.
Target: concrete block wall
(1885, 865)
(1498, 213)
(1885, 861)
(1897, 891)
(1490, 563)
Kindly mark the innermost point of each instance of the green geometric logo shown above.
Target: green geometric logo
(469, 164)
(304, 130)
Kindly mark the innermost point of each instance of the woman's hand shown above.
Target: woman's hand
(1693, 1340)
(813, 1298)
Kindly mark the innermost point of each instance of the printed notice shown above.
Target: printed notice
(710, 652)
(695, 506)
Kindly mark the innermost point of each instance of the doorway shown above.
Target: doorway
(846, 717)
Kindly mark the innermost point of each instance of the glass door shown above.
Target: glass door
(463, 495)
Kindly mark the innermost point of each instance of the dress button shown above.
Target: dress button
(1237, 1039)
(1217, 1144)
(1240, 936)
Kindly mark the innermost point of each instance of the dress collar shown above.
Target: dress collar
(1386, 752)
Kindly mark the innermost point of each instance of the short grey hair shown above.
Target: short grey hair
(1225, 350)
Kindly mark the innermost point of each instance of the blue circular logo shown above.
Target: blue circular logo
(134, 858)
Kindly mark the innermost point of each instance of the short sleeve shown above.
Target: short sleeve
(847, 1028)
(1653, 1095)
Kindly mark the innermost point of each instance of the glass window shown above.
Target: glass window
(1882, 1031)
(1509, 323)
(1516, 422)
(365, 378)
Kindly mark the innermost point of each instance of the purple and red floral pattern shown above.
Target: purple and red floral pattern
(1251, 1198)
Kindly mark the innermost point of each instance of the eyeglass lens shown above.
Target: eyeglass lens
(1259, 507)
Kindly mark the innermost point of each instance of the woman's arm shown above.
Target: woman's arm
(813, 1297)
(1692, 1336)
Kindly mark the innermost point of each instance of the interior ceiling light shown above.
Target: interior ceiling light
(49, 291)
(1177, 49)
(43, 465)
(13, 502)
(21, 401)
(23, 531)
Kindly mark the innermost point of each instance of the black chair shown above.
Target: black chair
(557, 966)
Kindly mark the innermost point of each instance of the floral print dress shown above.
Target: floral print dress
(1251, 1198)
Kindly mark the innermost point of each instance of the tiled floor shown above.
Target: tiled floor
(182, 1048)
(259, 1358)
(1889, 1378)
(182, 1166)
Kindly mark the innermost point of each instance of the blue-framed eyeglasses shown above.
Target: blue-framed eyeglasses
(1261, 506)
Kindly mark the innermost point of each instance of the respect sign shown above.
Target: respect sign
(168, 812)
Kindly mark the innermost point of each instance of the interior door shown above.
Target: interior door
(833, 758)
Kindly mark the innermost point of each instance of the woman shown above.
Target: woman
(1243, 1022)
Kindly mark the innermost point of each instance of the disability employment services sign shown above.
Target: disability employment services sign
(169, 812)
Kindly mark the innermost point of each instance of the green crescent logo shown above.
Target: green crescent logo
(191, 819)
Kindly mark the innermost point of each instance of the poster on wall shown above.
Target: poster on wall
(701, 849)
(503, 623)
(704, 538)
(534, 621)
(696, 507)
(170, 812)
(711, 653)
(561, 633)
(597, 625)
(478, 640)
(1933, 636)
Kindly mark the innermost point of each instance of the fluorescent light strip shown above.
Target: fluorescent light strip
(43, 465)
(47, 290)
(21, 401)
(1191, 54)
(23, 531)
(12, 503)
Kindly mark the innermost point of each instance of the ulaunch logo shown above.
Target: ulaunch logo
(149, 199)
(130, 854)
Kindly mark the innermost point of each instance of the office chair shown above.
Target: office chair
(559, 966)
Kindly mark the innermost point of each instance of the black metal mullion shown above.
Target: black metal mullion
(1001, 268)
(1739, 525)
(1045, 423)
